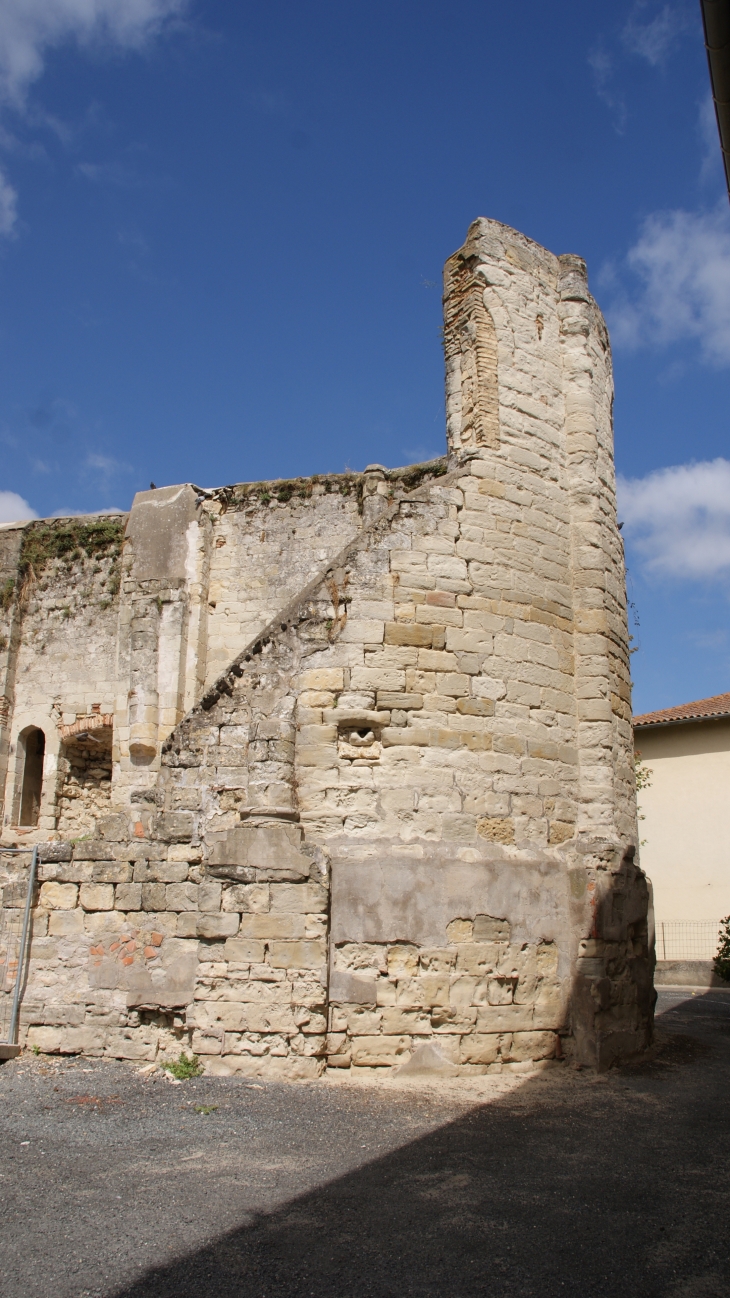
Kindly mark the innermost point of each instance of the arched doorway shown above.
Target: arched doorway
(33, 742)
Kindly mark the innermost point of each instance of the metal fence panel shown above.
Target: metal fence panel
(694, 939)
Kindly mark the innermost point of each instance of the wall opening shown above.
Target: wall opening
(34, 748)
(84, 779)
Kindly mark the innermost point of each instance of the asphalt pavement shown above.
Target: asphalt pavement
(554, 1183)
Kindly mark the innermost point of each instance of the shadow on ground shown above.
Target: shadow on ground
(570, 1185)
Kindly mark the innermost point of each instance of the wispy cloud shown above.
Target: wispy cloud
(108, 173)
(654, 39)
(678, 519)
(106, 465)
(8, 206)
(13, 509)
(602, 66)
(86, 513)
(29, 29)
(680, 284)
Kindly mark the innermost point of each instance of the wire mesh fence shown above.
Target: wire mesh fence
(692, 939)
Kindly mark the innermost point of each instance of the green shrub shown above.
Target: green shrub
(184, 1067)
(722, 959)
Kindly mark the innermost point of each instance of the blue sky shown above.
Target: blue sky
(222, 229)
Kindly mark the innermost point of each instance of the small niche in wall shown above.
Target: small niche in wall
(359, 741)
(85, 779)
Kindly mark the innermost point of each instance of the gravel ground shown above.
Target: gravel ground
(559, 1182)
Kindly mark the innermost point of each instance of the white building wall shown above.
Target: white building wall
(686, 830)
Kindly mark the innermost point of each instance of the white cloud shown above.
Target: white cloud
(29, 28)
(13, 509)
(681, 261)
(679, 518)
(653, 40)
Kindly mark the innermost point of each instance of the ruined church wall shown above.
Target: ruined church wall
(449, 923)
(403, 814)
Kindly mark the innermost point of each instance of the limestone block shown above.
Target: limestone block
(97, 896)
(402, 961)
(505, 1018)
(299, 898)
(275, 848)
(48, 1040)
(380, 1052)
(425, 992)
(453, 1020)
(436, 660)
(209, 896)
(396, 1021)
(297, 955)
(205, 1044)
(154, 896)
(181, 896)
(408, 633)
(113, 828)
(438, 617)
(211, 926)
(351, 989)
(161, 871)
(111, 872)
(439, 959)
(363, 1022)
(460, 930)
(496, 829)
(184, 852)
(250, 898)
(127, 897)
(101, 922)
(243, 950)
(173, 826)
(59, 896)
(65, 923)
(322, 678)
(362, 631)
(85, 1040)
(530, 1045)
(477, 958)
(480, 1048)
(404, 702)
(270, 926)
(415, 736)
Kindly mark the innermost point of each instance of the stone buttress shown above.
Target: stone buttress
(396, 824)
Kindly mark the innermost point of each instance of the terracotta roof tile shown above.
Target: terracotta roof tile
(701, 710)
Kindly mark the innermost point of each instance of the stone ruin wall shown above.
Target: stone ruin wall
(403, 817)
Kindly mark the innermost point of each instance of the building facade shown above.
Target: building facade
(685, 824)
(338, 772)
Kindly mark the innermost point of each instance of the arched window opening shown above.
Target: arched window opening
(85, 779)
(34, 744)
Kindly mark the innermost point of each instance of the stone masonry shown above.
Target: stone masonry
(337, 773)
